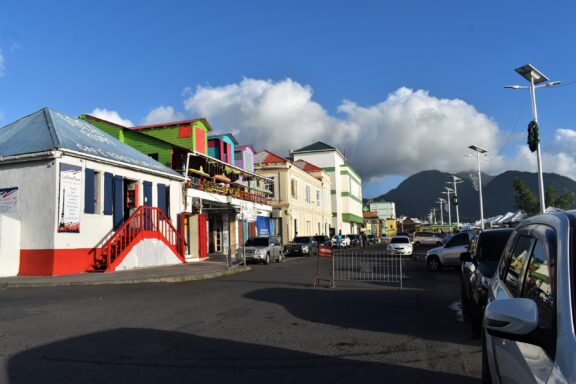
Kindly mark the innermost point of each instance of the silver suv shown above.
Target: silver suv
(263, 249)
(449, 253)
(528, 334)
(426, 238)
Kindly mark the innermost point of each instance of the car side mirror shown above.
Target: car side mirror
(514, 319)
(465, 256)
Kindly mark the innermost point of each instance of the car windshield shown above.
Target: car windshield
(320, 239)
(257, 242)
(400, 240)
(301, 239)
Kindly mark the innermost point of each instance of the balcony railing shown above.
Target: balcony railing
(236, 190)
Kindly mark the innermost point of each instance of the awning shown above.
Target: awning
(199, 172)
(221, 178)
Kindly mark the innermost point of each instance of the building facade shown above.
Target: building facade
(67, 193)
(346, 185)
(300, 196)
(384, 209)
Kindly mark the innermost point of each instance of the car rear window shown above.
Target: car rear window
(400, 240)
(302, 239)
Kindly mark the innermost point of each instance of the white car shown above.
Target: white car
(400, 245)
(344, 242)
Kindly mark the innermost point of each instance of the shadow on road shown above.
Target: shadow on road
(153, 356)
(416, 313)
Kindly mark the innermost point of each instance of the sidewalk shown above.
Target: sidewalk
(201, 270)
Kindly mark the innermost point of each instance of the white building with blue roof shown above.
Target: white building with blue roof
(74, 199)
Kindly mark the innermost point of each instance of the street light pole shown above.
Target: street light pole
(479, 150)
(535, 77)
(448, 203)
(456, 180)
(441, 201)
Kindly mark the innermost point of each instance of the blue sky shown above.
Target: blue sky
(399, 86)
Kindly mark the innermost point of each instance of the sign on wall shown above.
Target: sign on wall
(69, 199)
(9, 200)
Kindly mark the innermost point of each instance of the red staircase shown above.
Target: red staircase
(145, 223)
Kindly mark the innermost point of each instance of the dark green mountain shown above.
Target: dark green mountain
(416, 195)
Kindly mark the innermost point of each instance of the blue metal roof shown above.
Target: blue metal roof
(48, 130)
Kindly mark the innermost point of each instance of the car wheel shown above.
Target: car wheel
(280, 256)
(434, 263)
(486, 377)
(267, 259)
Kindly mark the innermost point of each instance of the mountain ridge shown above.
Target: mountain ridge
(418, 194)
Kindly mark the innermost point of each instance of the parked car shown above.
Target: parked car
(263, 249)
(400, 245)
(528, 329)
(371, 239)
(302, 246)
(427, 238)
(322, 240)
(355, 240)
(449, 253)
(478, 266)
(407, 234)
(344, 242)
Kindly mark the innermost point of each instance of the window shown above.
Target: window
(184, 131)
(294, 188)
(92, 194)
(516, 266)
(318, 201)
(269, 185)
(460, 239)
(308, 194)
(538, 286)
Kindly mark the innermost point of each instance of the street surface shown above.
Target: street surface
(269, 325)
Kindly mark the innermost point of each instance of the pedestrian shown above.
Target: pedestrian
(339, 239)
(364, 240)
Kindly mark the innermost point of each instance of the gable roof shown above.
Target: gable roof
(318, 146)
(220, 136)
(171, 124)
(47, 130)
(267, 157)
(306, 166)
(239, 148)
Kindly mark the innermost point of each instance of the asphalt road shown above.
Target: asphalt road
(269, 325)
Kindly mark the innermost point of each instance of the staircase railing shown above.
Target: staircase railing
(145, 219)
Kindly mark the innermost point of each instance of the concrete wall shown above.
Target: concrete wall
(9, 246)
(149, 253)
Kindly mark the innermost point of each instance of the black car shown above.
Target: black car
(478, 267)
(355, 240)
(322, 240)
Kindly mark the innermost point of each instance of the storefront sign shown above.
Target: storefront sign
(9, 200)
(69, 199)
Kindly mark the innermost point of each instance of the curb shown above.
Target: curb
(144, 280)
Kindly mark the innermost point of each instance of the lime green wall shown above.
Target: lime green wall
(136, 140)
(170, 135)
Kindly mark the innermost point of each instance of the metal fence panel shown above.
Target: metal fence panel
(369, 266)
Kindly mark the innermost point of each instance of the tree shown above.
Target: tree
(525, 199)
(555, 199)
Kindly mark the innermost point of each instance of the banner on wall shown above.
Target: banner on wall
(263, 226)
(69, 199)
(9, 200)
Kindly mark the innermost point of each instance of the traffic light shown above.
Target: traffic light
(533, 136)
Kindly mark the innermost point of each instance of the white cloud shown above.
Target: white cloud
(408, 132)
(162, 114)
(111, 116)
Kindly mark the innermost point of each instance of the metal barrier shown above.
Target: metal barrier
(368, 266)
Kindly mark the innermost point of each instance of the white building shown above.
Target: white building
(74, 199)
(300, 196)
(346, 185)
(384, 209)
